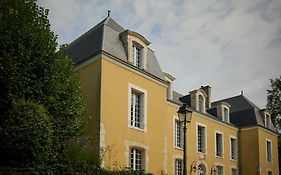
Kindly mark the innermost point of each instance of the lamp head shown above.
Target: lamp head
(184, 114)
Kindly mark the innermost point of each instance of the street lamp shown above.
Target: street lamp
(184, 115)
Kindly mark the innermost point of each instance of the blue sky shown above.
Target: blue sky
(231, 45)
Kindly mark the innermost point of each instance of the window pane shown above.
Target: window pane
(137, 110)
(178, 134)
(219, 145)
(201, 139)
(269, 151)
(219, 170)
(178, 167)
(233, 171)
(233, 148)
(136, 159)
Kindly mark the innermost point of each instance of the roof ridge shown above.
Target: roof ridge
(227, 98)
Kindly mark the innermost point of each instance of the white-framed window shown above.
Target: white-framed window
(178, 134)
(268, 150)
(234, 171)
(136, 56)
(137, 107)
(219, 144)
(267, 121)
(201, 103)
(137, 159)
(178, 167)
(233, 148)
(226, 114)
(219, 170)
(201, 138)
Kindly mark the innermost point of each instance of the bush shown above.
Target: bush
(26, 136)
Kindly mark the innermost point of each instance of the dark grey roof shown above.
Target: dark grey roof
(176, 96)
(244, 113)
(105, 37)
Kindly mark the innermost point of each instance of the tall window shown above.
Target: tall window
(219, 170)
(178, 134)
(201, 139)
(137, 117)
(201, 103)
(233, 148)
(178, 167)
(267, 121)
(226, 114)
(219, 145)
(137, 159)
(269, 173)
(234, 171)
(268, 151)
(136, 56)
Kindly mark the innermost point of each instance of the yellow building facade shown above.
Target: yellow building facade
(134, 120)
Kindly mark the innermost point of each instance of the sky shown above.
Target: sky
(230, 45)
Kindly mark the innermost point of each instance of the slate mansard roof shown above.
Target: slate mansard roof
(244, 113)
(104, 37)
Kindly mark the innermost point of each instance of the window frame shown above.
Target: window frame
(201, 103)
(222, 144)
(217, 168)
(267, 120)
(205, 140)
(235, 157)
(266, 149)
(143, 110)
(231, 171)
(176, 170)
(137, 59)
(141, 153)
(176, 122)
(226, 118)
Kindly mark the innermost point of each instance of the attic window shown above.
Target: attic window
(267, 121)
(201, 103)
(226, 114)
(136, 56)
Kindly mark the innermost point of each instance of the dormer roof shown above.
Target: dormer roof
(243, 112)
(104, 37)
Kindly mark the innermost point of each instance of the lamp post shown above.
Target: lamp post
(184, 115)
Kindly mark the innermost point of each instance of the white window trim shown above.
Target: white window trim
(174, 157)
(223, 116)
(144, 93)
(174, 134)
(236, 148)
(268, 140)
(133, 144)
(267, 122)
(219, 132)
(206, 143)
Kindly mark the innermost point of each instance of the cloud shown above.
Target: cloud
(230, 45)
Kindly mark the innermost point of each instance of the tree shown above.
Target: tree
(274, 101)
(43, 79)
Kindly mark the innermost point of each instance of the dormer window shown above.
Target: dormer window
(267, 121)
(226, 114)
(136, 56)
(201, 103)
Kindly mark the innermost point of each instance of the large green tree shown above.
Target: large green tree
(274, 101)
(40, 96)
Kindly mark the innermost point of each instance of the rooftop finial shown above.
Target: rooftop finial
(242, 92)
(108, 13)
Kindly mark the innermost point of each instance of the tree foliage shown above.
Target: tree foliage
(32, 69)
(274, 101)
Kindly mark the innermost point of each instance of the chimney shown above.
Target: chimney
(108, 13)
(207, 90)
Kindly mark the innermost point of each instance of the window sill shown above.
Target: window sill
(234, 160)
(138, 129)
(219, 157)
(178, 148)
